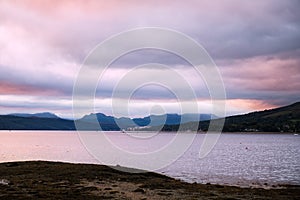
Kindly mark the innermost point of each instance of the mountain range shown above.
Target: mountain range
(283, 119)
(149, 121)
(50, 121)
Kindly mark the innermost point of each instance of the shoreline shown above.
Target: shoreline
(49, 180)
(171, 132)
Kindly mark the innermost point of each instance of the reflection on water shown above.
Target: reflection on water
(240, 159)
(42, 145)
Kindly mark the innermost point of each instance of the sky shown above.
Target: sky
(43, 44)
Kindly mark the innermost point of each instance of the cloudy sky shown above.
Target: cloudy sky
(255, 44)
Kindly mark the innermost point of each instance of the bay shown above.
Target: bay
(242, 159)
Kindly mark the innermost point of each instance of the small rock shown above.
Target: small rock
(4, 182)
(139, 190)
(219, 186)
(13, 164)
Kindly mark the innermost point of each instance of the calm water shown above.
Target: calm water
(237, 159)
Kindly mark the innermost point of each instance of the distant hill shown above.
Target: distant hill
(107, 123)
(152, 120)
(171, 119)
(39, 115)
(283, 119)
(10, 122)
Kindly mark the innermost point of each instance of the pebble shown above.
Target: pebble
(4, 182)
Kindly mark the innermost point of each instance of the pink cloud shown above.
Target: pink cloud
(263, 73)
(8, 88)
(238, 106)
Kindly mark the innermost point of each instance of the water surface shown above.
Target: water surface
(237, 159)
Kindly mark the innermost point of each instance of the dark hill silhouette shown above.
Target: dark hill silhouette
(282, 119)
(39, 115)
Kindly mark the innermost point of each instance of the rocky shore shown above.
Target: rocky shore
(56, 180)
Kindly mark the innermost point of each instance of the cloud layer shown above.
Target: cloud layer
(43, 44)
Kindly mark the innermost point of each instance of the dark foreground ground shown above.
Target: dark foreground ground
(55, 180)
